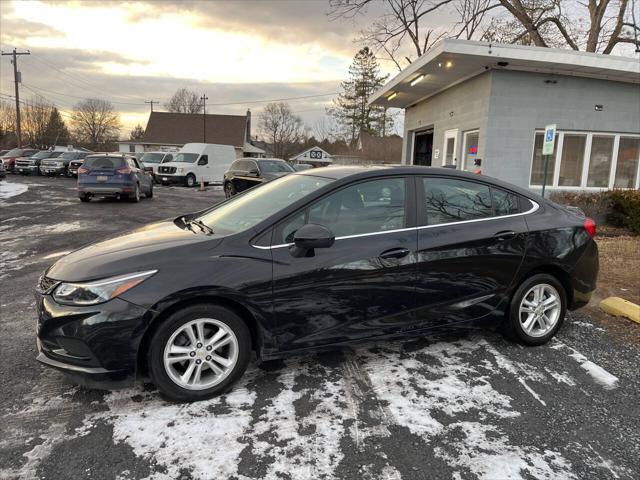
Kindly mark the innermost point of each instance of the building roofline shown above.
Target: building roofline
(470, 58)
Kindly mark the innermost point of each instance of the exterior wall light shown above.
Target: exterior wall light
(417, 80)
(449, 64)
(392, 96)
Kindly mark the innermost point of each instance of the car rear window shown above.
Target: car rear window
(103, 162)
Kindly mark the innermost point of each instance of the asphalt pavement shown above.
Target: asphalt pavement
(465, 405)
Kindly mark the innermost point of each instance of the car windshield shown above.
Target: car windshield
(274, 166)
(186, 157)
(68, 155)
(249, 209)
(40, 155)
(152, 157)
(16, 152)
(55, 154)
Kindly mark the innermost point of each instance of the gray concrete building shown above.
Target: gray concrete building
(483, 107)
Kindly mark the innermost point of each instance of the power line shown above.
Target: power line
(81, 98)
(274, 99)
(151, 102)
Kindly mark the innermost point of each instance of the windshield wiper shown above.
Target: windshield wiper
(187, 224)
(203, 226)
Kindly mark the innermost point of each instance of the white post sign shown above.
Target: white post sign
(549, 139)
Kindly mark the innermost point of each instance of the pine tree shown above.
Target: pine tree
(351, 109)
(137, 133)
(57, 132)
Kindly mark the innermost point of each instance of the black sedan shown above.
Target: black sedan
(249, 172)
(318, 258)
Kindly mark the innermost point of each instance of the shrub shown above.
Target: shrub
(594, 205)
(625, 209)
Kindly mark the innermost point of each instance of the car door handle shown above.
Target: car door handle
(395, 253)
(505, 235)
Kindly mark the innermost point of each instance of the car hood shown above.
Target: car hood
(137, 250)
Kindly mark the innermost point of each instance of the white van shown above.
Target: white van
(196, 162)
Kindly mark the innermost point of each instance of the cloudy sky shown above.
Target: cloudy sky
(237, 52)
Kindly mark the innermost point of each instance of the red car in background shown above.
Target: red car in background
(9, 158)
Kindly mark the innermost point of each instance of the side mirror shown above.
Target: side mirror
(148, 169)
(309, 237)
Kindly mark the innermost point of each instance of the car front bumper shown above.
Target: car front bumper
(28, 168)
(47, 170)
(167, 179)
(97, 346)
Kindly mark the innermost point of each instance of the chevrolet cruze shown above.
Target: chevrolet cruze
(318, 258)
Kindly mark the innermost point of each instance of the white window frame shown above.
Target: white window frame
(453, 133)
(463, 163)
(555, 175)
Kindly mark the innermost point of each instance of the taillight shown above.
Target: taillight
(590, 227)
(124, 170)
(82, 170)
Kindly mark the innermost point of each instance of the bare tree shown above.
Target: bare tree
(8, 137)
(281, 127)
(137, 133)
(36, 114)
(95, 123)
(409, 28)
(184, 101)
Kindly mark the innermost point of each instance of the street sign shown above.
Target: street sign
(549, 139)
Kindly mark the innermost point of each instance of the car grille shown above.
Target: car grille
(49, 163)
(25, 163)
(167, 169)
(46, 285)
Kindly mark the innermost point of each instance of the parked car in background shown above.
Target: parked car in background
(2, 152)
(9, 158)
(31, 165)
(154, 159)
(315, 259)
(245, 173)
(60, 165)
(113, 175)
(299, 167)
(3, 172)
(197, 162)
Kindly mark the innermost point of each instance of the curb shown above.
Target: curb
(620, 307)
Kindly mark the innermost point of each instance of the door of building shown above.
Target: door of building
(449, 149)
(423, 148)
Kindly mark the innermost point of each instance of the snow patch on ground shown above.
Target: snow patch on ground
(8, 190)
(595, 371)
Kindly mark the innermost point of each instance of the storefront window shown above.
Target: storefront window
(572, 160)
(627, 166)
(471, 150)
(537, 168)
(600, 161)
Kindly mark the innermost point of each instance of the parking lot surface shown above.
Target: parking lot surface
(461, 405)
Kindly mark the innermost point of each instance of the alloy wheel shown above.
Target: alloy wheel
(200, 354)
(540, 310)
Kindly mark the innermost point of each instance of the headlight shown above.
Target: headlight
(99, 291)
(59, 164)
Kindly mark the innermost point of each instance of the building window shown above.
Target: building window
(537, 167)
(600, 161)
(572, 160)
(627, 165)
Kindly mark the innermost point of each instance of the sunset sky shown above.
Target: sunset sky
(237, 52)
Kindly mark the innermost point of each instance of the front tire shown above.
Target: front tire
(190, 181)
(149, 194)
(229, 189)
(537, 310)
(198, 353)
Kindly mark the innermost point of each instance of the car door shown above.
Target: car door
(203, 170)
(146, 179)
(363, 285)
(138, 172)
(471, 243)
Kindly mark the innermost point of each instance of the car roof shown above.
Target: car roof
(353, 172)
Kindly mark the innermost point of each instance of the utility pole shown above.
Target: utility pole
(17, 80)
(151, 102)
(204, 99)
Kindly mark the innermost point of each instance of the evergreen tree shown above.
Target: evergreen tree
(351, 109)
(56, 132)
(137, 133)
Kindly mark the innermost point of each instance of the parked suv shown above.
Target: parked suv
(248, 172)
(113, 175)
(60, 165)
(29, 165)
(9, 159)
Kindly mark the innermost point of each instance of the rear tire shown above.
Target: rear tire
(149, 194)
(84, 198)
(215, 377)
(229, 189)
(135, 196)
(190, 180)
(537, 310)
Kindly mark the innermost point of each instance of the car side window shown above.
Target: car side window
(450, 200)
(252, 166)
(203, 160)
(504, 203)
(367, 207)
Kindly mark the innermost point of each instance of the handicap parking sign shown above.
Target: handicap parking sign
(549, 139)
